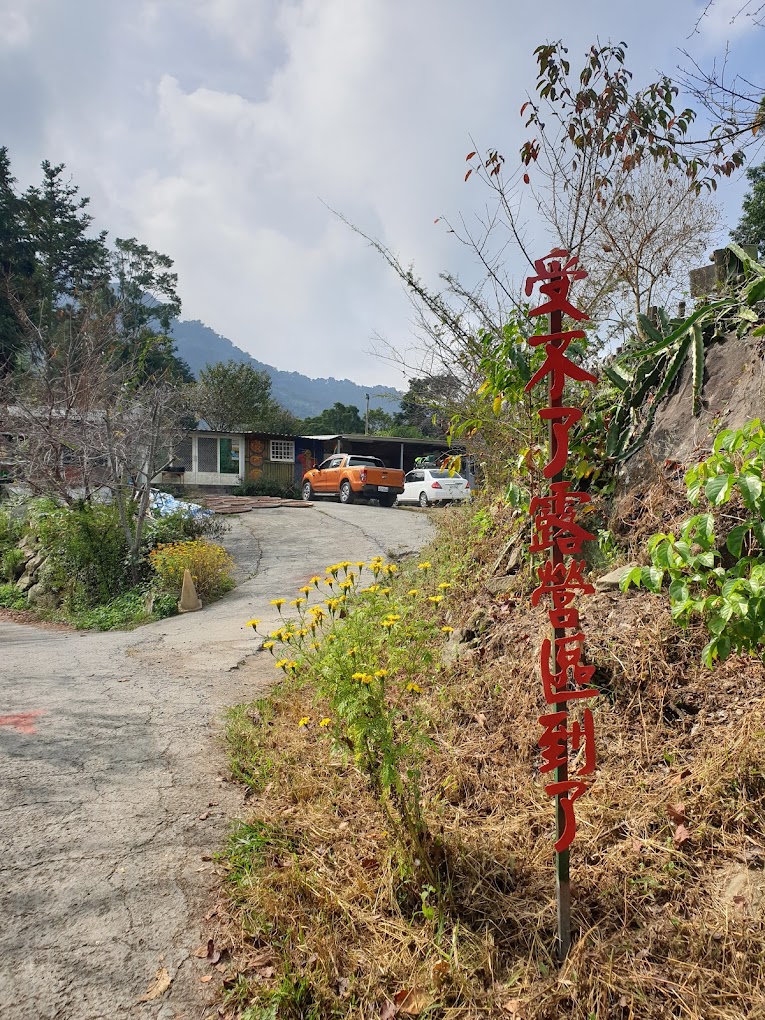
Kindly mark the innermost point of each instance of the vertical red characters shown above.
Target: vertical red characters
(565, 677)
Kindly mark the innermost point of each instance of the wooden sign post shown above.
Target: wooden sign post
(565, 677)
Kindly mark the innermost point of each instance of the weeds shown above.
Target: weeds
(666, 866)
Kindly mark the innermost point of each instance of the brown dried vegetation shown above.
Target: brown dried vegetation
(667, 867)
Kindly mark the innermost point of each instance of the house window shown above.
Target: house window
(283, 450)
(218, 456)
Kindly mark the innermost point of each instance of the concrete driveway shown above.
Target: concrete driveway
(113, 790)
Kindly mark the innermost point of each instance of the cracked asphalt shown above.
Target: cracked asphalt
(113, 788)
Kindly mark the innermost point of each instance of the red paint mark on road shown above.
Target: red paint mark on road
(22, 722)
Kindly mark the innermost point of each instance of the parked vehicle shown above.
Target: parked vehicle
(351, 477)
(432, 485)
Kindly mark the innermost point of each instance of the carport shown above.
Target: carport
(393, 451)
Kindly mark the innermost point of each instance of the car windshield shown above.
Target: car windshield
(365, 462)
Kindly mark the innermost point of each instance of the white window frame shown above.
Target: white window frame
(281, 451)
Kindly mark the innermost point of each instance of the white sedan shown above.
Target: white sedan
(429, 485)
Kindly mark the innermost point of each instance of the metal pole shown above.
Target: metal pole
(366, 419)
(562, 876)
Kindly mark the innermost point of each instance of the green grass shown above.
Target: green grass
(249, 765)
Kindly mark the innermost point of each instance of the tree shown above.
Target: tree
(335, 420)
(380, 421)
(234, 396)
(425, 399)
(751, 226)
(643, 250)
(88, 420)
(59, 272)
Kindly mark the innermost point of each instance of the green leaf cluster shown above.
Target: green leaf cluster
(720, 581)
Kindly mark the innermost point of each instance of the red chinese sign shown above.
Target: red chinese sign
(566, 677)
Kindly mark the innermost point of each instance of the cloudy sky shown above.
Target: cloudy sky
(218, 131)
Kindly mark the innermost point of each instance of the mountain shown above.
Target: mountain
(199, 345)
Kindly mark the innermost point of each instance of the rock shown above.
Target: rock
(34, 593)
(613, 579)
(500, 585)
(25, 583)
(456, 648)
(35, 562)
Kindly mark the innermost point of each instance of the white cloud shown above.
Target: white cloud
(214, 129)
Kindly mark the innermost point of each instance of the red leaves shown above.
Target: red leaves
(470, 156)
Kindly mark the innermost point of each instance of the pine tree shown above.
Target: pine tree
(751, 226)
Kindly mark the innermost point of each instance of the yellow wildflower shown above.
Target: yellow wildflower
(423, 566)
(353, 652)
(413, 591)
(298, 602)
(385, 591)
(381, 672)
(325, 722)
(345, 585)
(315, 581)
(305, 589)
(414, 687)
(447, 630)
(372, 589)
(444, 585)
(331, 637)
(253, 624)
(304, 721)
(360, 564)
(357, 676)
(435, 598)
(269, 645)
(281, 663)
(314, 646)
(278, 603)
(292, 665)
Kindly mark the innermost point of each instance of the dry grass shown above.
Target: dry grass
(325, 923)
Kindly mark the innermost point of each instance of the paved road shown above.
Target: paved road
(112, 788)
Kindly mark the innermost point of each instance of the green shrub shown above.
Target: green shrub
(12, 525)
(182, 526)
(210, 567)
(719, 578)
(269, 487)
(11, 597)
(133, 607)
(86, 551)
(12, 563)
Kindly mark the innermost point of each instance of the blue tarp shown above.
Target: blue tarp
(162, 504)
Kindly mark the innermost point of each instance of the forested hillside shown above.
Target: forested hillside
(199, 345)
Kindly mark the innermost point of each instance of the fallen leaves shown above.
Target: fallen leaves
(676, 814)
(412, 1001)
(159, 986)
(209, 952)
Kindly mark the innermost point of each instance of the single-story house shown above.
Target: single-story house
(223, 459)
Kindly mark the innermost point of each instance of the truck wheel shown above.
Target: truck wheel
(386, 498)
(346, 492)
(424, 501)
(307, 491)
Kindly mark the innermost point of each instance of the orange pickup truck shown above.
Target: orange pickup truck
(349, 477)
